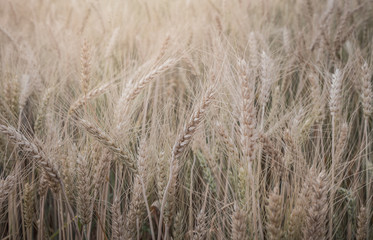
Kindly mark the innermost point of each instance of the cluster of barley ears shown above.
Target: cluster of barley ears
(186, 119)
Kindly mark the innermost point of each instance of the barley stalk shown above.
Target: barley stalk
(367, 98)
(180, 145)
(335, 105)
(249, 136)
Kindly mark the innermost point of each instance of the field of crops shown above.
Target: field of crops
(186, 119)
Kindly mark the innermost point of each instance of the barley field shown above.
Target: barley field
(186, 119)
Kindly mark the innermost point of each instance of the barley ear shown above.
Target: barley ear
(335, 102)
(6, 186)
(362, 224)
(84, 196)
(85, 59)
(238, 223)
(117, 231)
(274, 215)
(28, 204)
(366, 91)
(317, 211)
